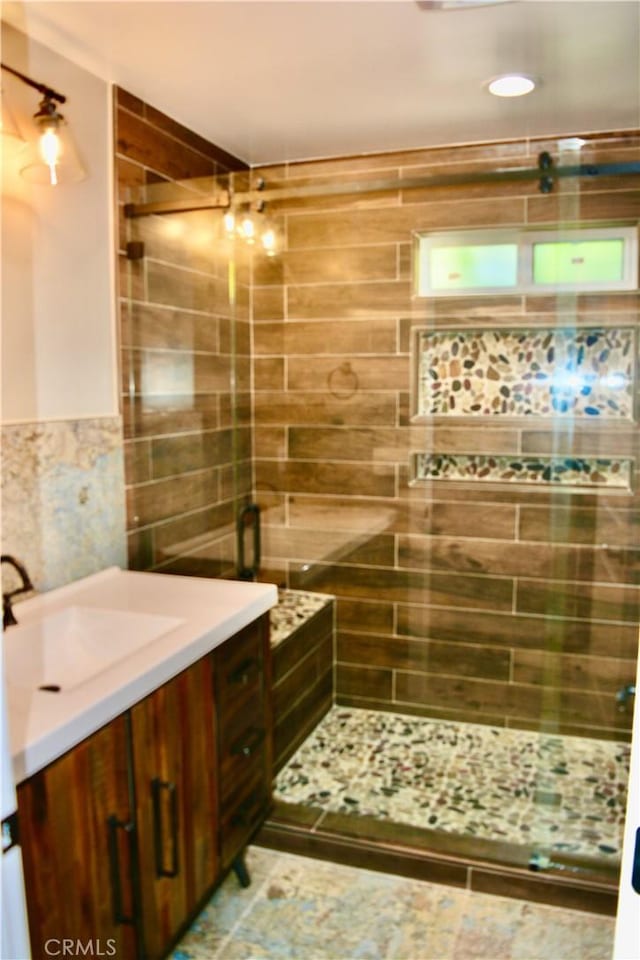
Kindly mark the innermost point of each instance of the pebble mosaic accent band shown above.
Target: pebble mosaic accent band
(566, 471)
(585, 373)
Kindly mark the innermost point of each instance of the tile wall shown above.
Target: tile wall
(177, 348)
(496, 602)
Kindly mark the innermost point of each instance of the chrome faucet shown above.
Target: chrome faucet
(8, 616)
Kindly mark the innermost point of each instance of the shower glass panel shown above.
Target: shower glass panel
(186, 382)
(460, 473)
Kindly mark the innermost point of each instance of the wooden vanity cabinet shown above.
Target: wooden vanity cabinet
(174, 772)
(125, 836)
(77, 834)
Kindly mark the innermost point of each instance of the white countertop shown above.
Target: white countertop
(44, 725)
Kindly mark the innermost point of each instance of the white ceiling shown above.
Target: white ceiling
(271, 81)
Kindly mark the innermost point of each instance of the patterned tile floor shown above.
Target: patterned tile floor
(556, 793)
(312, 910)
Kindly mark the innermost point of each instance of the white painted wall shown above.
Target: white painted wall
(58, 323)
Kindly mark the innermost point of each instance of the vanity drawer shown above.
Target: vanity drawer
(242, 814)
(240, 667)
(241, 756)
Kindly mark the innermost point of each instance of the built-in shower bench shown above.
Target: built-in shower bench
(302, 637)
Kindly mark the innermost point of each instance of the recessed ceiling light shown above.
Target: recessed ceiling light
(511, 85)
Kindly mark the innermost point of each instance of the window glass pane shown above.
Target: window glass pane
(587, 261)
(489, 265)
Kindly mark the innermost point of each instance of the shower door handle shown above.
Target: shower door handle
(249, 517)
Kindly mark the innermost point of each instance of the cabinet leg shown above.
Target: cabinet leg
(241, 872)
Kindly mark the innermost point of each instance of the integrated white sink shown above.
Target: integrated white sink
(84, 653)
(75, 644)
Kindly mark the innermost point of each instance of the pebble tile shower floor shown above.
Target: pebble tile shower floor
(557, 793)
(305, 909)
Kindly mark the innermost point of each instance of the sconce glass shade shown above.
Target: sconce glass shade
(8, 126)
(53, 157)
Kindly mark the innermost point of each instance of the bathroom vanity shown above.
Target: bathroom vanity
(151, 775)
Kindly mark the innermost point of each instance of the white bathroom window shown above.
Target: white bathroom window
(476, 262)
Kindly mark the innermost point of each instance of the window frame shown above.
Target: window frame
(524, 239)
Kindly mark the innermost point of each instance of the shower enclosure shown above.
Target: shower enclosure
(459, 470)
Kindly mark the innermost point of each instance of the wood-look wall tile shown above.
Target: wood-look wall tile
(192, 139)
(547, 561)
(268, 373)
(122, 98)
(568, 671)
(297, 407)
(304, 676)
(441, 518)
(268, 304)
(140, 549)
(435, 156)
(146, 144)
(592, 601)
(518, 631)
(345, 479)
(183, 532)
(188, 452)
(270, 443)
(593, 206)
(365, 616)
(401, 653)
(327, 546)
(145, 325)
(171, 413)
(137, 461)
(483, 593)
(352, 300)
(474, 696)
(386, 445)
(363, 682)
(344, 375)
(335, 338)
(305, 638)
(350, 264)
(162, 499)
(587, 443)
(575, 524)
(186, 289)
(132, 283)
(395, 224)
(151, 373)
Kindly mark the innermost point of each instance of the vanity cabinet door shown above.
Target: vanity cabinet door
(174, 748)
(79, 849)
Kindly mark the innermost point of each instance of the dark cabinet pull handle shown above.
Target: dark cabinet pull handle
(119, 915)
(157, 787)
(245, 747)
(244, 672)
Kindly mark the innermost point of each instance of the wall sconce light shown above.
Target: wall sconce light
(52, 157)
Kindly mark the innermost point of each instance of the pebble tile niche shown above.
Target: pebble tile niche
(585, 373)
(569, 471)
